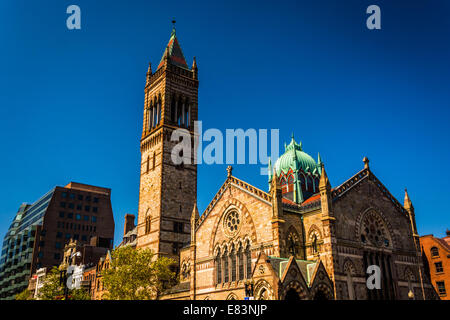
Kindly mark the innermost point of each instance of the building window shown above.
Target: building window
(71, 205)
(233, 265)
(68, 235)
(57, 256)
(64, 194)
(95, 200)
(76, 236)
(218, 268)
(87, 208)
(241, 264)
(84, 238)
(86, 218)
(61, 214)
(434, 252)
(58, 245)
(94, 209)
(441, 287)
(176, 246)
(439, 267)
(147, 224)
(70, 215)
(59, 234)
(88, 198)
(248, 257)
(78, 217)
(79, 207)
(94, 219)
(226, 272)
(62, 204)
(80, 197)
(178, 227)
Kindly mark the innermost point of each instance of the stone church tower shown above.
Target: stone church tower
(167, 191)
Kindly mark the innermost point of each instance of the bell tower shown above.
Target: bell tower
(167, 191)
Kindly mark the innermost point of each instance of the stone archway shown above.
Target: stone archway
(263, 291)
(292, 295)
(294, 286)
(322, 292)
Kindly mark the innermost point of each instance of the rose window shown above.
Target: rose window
(373, 231)
(232, 222)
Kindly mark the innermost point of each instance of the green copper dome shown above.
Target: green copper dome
(294, 158)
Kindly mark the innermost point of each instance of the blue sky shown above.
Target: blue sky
(71, 101)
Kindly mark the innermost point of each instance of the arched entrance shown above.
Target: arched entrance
(320, 295)
(292, 295)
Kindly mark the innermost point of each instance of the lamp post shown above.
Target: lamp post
(410, 295)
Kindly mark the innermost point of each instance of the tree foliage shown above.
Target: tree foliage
(24, 295)
(52, 289)
(135, 274)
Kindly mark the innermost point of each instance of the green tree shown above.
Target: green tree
(25, 295)
(79, 294)
(52, 289)
(135, 274)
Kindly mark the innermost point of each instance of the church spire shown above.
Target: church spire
(173, 53)
(407, 202)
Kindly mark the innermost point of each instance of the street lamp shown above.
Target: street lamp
(410, 295)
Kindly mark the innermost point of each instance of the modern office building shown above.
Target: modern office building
(39, 231)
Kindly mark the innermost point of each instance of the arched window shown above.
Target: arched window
(309, 183)
(155, 114)
(302, 181)
(283, 181)
(434, 252)
(159, 111)
(248, 262)
(218, 268)
(148, 224)
(187, 114)
(314, 244)
(241, 263)
(225, 266)
(173, 110)
(150, 116)
(293, 243)
(233, 265)
(180, 112)
(291, 179)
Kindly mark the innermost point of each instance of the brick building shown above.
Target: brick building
(437, 254)
(302, 239)
(39, 232)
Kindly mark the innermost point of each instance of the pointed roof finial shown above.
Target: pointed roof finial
(366, 163)
(174, 29)
(324, 183)
(195, 215)
(292, 136)
(407, 204)
(229, 171)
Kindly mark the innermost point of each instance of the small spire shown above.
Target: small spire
(194, 64)
(366, 163)
(149, 71)
(292, 136)
(319, 159)
(407, 204)
(324, 182)
(195, 215)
